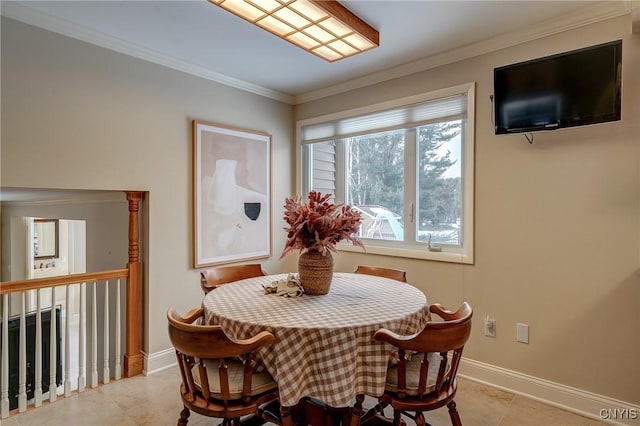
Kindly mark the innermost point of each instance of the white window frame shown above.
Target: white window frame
(458, 254)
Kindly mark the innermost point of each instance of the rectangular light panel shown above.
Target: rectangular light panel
(323, 27)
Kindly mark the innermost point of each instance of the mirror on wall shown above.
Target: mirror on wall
(45, 239)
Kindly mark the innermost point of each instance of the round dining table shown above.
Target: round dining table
(324, 346)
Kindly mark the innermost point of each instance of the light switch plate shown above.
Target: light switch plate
(522, 333)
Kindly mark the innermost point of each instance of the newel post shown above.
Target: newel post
(133, 359)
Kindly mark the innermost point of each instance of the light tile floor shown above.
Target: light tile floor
(154, 400)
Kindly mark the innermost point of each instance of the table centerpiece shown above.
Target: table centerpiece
(315, 227)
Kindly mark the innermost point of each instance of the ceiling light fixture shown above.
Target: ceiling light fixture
(323, 27)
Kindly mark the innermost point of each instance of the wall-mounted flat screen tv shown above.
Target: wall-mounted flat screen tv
(569, 89)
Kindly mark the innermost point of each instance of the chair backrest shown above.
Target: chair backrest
(394, 274)
(206, 346)
(212, 277)
(446, 337)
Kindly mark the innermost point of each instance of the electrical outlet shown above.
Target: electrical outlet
(489, 326)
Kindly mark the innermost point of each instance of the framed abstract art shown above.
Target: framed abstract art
(231, 194)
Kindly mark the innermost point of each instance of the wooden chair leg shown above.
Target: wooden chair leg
(285, 416)
(420, 421)
(357, 411)
(397, 420)
(269, 412)
(184, 416)
(377, 411)
(453, 413)
(380, 406)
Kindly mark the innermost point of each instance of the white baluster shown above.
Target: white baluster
(118, 325)
(82, 338)
(105, 372)
(67, 345)
(94, 338)
(37, 393)
(4, 375)
(53, 396)
(22, 371)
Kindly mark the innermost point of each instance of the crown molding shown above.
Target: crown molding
(600, 12)
(29, 16)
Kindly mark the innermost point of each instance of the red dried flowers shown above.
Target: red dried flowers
(319, 224)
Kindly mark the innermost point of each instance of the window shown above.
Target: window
(407, 165)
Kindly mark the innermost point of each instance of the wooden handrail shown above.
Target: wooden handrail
(37, 283)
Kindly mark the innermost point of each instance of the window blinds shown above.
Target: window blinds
(437, 110)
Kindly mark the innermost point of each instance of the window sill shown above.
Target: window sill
(438, 256)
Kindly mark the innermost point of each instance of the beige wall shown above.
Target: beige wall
(557, 228)
(81, 117)
(557, 222)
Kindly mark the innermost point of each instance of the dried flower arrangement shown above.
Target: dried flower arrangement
(319, 224)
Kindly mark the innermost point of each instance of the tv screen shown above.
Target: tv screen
(569, 89)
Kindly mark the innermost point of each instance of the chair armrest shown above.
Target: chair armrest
(463, 311)
(439, 310)
(391, 337)
(189, 317)
(261, 339)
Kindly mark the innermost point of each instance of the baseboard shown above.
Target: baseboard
(582, 402)
(579, 401)
(159, 361)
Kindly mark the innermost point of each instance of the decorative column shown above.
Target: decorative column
(133, 359)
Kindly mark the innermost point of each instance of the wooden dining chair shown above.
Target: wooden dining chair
(218, 375)
(424, 377)
(394, 274)
(212, 277)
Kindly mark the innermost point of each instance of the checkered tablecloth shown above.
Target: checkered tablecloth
(324, 345)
